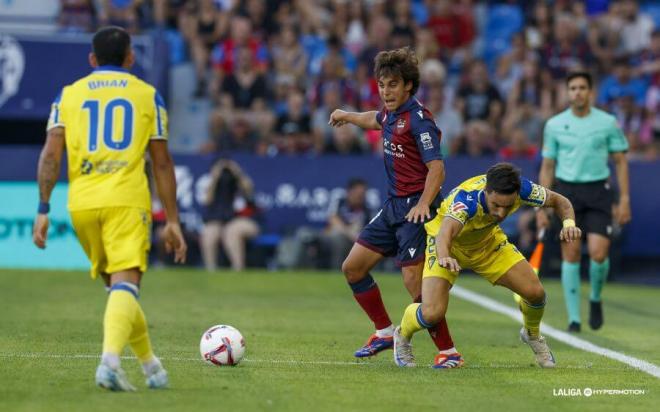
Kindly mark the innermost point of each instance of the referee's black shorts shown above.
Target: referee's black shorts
(592, 203)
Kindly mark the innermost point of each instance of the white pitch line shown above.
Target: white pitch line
(272, 361)
(557, 334)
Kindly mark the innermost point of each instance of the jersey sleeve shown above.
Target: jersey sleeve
(616, 140)
(549, 142)
(426, 135)
(56, 119)
(159, 128)
(463, 207)
(381, 116)
(532, 194)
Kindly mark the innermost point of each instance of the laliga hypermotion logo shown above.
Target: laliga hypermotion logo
(12, 65)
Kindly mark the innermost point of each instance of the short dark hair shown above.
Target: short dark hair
(111, 45)
(356, 181)
(585, 75)
(398, 63)
(503, 178)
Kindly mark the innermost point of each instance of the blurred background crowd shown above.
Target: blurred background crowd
(492, 71)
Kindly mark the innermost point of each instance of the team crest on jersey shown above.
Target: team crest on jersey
(401, 124)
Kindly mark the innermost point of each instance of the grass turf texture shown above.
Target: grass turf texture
(292, 322)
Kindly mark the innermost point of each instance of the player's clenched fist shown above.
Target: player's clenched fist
(569, 234)
(337, 118)
(449, 263)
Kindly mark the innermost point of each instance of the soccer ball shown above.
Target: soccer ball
(222, 345)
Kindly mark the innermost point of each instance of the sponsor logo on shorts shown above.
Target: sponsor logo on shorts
(432, 260)
(412, 251)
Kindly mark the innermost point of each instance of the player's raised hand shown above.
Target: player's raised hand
(570, 234)
(174, 242)
(337, 118)
(40, 230)
(419, 213)
(449, 263)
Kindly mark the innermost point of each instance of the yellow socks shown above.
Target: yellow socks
(532, 315)
(139, 339)
(413, 321)
(120, 313)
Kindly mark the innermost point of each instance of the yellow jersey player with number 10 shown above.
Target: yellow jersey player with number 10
(107, 121)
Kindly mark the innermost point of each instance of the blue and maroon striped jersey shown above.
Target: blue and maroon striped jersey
(410, 140)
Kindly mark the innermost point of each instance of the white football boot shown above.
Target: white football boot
(112, 379)
(544, 356)
(403, 355)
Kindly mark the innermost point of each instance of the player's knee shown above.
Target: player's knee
(433, 312)
(534, 293)
(598, 256)
(352, 272)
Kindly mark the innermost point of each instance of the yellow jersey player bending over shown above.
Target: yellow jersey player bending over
(466, 234)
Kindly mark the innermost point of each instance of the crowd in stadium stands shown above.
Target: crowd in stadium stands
(492, 71)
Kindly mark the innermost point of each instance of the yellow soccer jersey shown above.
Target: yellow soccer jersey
(109, 118)
(467, 204)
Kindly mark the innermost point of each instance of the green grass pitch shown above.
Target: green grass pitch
(301, 330)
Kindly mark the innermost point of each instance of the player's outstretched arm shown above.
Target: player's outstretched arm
(449, 229)
(47, 173)
(564, 210)
(163, 169)
(365, 120)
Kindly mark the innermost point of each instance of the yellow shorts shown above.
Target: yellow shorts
(491, 259)
(114, 238)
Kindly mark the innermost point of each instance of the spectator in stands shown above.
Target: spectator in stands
(76, 15)
(225, 55)
(510, 66)
(380, 29)
(230, 215)
(630, 118)
(538, 30)
(345, 142)
(478, 140)
(122, 13)
(334, 73)
(637, 28)
(289, 58)
(566, 51)
(478, 99)
(323, 132)
(246, 87)
(518, 147)
(209, 23)
(293, 132)
(452, 25)
(620, 83)
(346, 218)
(240, 137)
(446, 117)
(531, 90)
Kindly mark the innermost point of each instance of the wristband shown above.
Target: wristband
(568, 223)
(44, 208)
